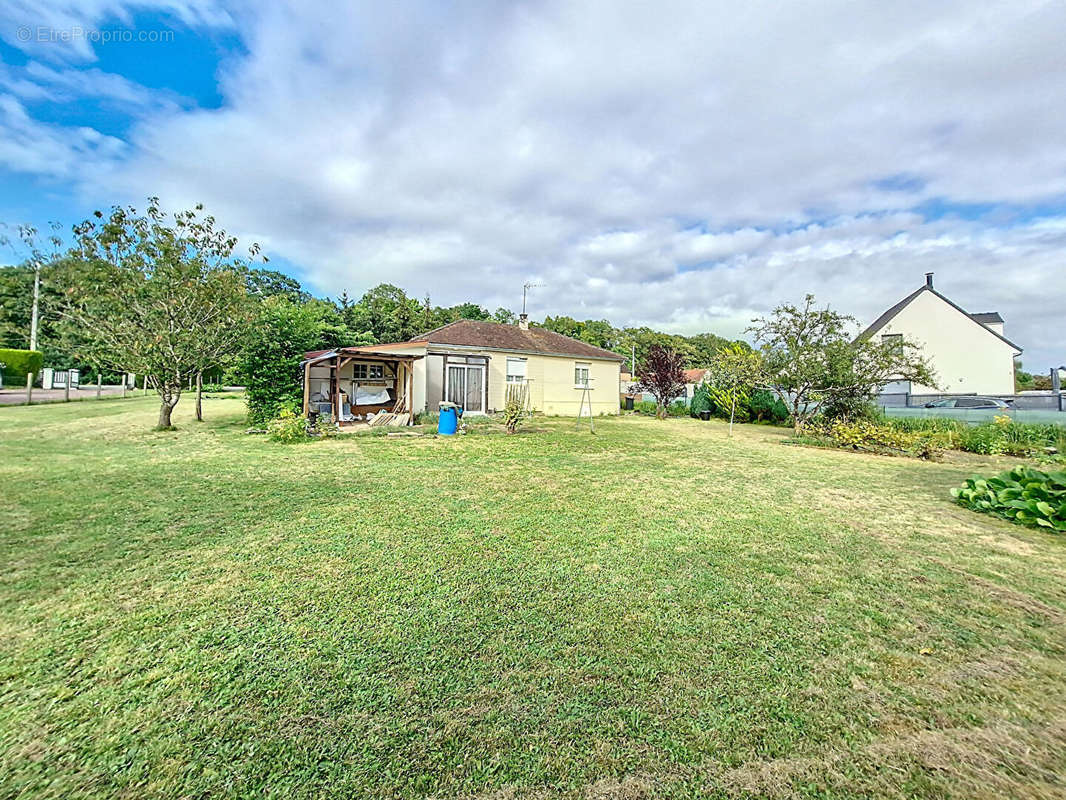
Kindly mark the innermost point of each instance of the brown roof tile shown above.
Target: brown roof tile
(497, 336)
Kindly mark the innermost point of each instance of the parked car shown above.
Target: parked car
(969, 402)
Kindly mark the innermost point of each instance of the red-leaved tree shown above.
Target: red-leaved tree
(661, 375)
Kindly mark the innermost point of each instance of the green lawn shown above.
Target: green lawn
(653, 611)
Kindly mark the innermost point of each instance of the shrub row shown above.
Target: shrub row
(1000, 436)
(1024, 495)
(876, 436)
(760, 406)
(20, 363)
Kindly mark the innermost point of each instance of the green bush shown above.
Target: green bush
(289, 427)
(1022, 494)
(878, 437)
(851, 406)
(1004, 436)
(1000, 436)
(269, 364)
(765, 406)
(701, 400)
(678, 408)
(513, 412)
(20, 363)
(648, 407)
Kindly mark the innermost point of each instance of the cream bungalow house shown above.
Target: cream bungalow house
(968, 352)
(470, 363)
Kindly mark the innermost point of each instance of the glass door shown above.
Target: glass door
(466, 387)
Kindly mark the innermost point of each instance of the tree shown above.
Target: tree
(262, 283)
(36, 261)
(733, 373)
(388, 314)
(811, 357)
(159, 297)
(282, 332)
(662, 376)
(504, 316)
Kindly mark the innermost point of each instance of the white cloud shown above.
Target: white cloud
(30, 146)
(680, 164)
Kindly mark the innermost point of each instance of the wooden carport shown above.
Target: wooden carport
(398, 411)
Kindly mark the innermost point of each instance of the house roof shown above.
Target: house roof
(980, 319)
(498, 336)
(694, 375)
(367, 353)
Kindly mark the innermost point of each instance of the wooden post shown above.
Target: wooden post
(66, 388)
(144, 385)
(125, 380)
(29, 388)
(411, 392)
(307, 388)
(99, 384)
(337, 390)
(199, 397)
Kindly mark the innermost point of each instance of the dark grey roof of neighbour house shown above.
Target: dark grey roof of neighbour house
(498, 336)
(981, 319)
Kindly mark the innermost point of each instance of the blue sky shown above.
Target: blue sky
(686, 165)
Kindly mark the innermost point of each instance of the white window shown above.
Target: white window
(581, 374)
(369, 372)
(894, 341)
(516, 370)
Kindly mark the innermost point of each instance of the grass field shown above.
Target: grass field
(653, 611)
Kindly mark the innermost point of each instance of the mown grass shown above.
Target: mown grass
(656, 610)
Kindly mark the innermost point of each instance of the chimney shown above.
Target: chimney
(929, 279)
(523, 321)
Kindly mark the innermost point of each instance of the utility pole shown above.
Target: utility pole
(633, 360)
(33, 323)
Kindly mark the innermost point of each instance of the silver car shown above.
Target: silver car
(969, 402)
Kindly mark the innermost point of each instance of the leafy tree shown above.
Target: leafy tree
(662, 376)
(387, 314)
(262, 283)
(467, 311)
(567, 326)
(810, 357)
(165, 299)
(282, 332)
(705, 346)
(504, 316)
(733, 374)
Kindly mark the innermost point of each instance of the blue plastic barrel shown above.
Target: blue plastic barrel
(448, 422)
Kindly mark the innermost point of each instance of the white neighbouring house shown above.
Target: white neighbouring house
(968, 352)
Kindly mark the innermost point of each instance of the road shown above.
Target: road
(12, 397)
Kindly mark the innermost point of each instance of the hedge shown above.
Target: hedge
(19, 363)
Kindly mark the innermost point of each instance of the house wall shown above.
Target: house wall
(551, 380)
(966, 356)
(559, 395)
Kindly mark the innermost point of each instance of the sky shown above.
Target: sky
(682, 165)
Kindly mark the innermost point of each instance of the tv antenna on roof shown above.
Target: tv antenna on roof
(525, 290)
